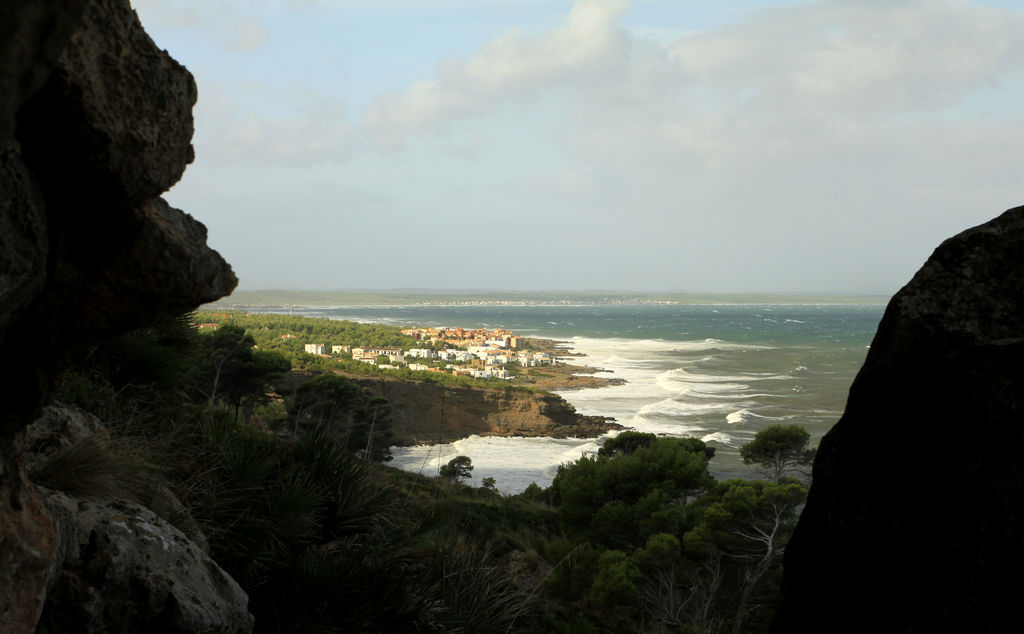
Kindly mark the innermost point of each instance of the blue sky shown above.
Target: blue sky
(599, 144)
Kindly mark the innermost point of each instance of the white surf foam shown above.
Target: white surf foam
(673, 407)
(745, 415)
(719, 437)
(514, 463)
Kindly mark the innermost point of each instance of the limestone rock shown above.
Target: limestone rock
(27, 543)
(915, 519)
(95, 122)
(32, 35)
(23, 247)
(120, 568)
(58, 426)
(118, 108)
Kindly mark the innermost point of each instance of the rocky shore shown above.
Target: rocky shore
(431, 413)
(563, 376)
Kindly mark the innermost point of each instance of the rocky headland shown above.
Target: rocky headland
(431, 413)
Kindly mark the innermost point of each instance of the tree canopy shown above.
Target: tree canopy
(778, 449)
(626, 496)
(231, 370)
(345, 411)
(458, 467)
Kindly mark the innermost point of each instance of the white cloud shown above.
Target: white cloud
(854, 58)
(827, 58)
(515, 65)
(221, 24)
(229, 132)
(816, 146)
(249, 35)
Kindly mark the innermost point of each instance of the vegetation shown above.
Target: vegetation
(457, 468)
(778, 449)
(335, 405)
(283, 474)
(288, 334)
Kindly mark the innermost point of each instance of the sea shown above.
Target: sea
(716, 372)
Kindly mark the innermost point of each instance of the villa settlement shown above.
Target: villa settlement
(479, 353)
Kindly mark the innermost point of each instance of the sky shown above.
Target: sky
(652, 145)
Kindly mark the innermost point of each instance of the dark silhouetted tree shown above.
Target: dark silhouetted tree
(778, 449)
(458, 467)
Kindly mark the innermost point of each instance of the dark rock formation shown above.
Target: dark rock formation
(915, 520)
(95, 122)
(428, 413)
(57, 428)
(120, 568)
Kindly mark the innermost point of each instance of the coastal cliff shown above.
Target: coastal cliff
(915, 517)
(429, 413)
(95, 123)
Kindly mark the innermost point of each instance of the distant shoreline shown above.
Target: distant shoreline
(285, 300)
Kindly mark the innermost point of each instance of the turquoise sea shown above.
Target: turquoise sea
(716, 372)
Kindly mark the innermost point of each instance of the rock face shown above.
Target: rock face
(427, 413)
(915, 519)
(120, 568)
(95, 122)
(58, 427)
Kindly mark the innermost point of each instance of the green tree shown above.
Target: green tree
(614, 591)
(746, 525)
(233, 371)
(619, 499)
(253, 378)
(457, 467)
(663, 591)
(345, 411)
(779, 448)
(222, 355)
(626, 443)
(489, 483)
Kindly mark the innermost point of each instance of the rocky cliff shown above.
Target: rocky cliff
(95, 123)
(915, 519)
(427, 413)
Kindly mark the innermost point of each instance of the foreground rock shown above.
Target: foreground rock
(95, 122)
(915, 519)
(123, 569)
(429, 413)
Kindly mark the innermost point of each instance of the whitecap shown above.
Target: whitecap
(673, 407)
(719, 437)
(745, 415)
(737, 417)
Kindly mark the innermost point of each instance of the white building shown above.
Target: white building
(340, 349)
(315, 348)
(478, 351)
(526, 360)
(418, 366)
(422, 353)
